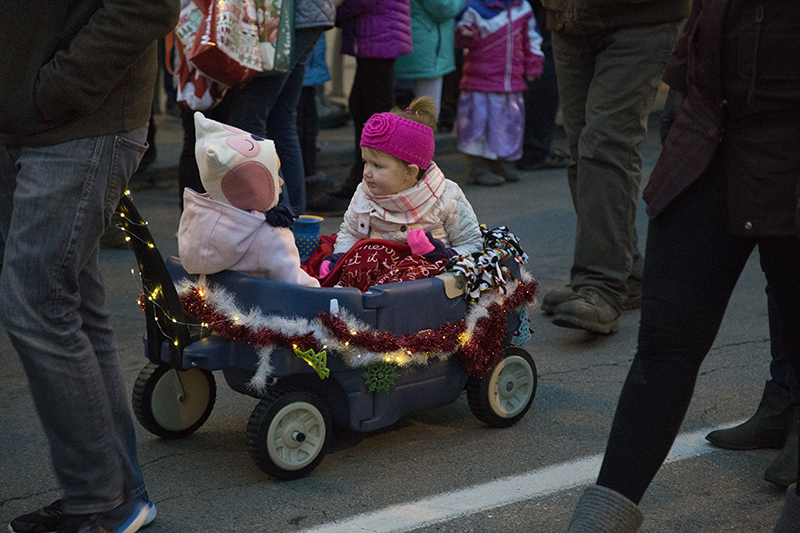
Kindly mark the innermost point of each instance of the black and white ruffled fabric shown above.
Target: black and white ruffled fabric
(483, 270)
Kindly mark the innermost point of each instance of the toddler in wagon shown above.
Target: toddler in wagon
(404, 196)
(238, 224)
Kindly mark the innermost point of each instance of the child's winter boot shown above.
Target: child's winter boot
(478, 172)
(506, 169)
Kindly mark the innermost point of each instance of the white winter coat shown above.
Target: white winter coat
(451, 220)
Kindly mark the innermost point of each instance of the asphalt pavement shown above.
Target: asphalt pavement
(440, 470)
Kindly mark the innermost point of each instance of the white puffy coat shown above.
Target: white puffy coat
(451, 220)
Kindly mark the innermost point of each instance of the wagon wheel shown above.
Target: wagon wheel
(288, 433)
(502, 397)
(173, 403)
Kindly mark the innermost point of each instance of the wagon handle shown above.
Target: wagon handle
(166, 322)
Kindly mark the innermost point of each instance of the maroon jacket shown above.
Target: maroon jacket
(738, 61)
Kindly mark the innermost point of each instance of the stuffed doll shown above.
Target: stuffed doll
(238, 224)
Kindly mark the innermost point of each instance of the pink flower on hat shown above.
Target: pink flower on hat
(378, 126)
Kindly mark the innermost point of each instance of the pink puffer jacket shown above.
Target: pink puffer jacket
(213, 237)
(503, 46)
(375, 28)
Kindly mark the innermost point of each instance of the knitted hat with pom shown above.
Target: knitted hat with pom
(401, 137)
(236, 167)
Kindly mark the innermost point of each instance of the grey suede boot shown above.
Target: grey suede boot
(602, 510)
(789, 521)
(767, 428)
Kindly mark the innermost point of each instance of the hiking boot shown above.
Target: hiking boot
(588, 310)
(51, 519)
(556, 297)
(478, 172)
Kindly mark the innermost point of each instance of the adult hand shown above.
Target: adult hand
(671, 106)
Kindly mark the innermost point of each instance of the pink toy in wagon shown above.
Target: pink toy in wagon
(408, 305)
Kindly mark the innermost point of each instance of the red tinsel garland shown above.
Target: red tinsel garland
(478, 355)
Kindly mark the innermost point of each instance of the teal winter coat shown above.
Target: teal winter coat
(432, 30)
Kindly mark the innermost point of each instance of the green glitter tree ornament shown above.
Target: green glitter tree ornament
(318, 361)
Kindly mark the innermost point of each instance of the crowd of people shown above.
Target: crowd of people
(80, 97)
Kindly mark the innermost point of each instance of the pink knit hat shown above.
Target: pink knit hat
(401, 137)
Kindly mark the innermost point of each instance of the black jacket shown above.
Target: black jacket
(76, 69)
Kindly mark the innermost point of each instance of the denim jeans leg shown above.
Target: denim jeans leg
(261, 107)
(63, 197)
(282, 120)
(607, 84)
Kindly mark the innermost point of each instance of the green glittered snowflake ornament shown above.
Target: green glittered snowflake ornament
(380, 376)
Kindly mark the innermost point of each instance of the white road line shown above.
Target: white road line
(537, 483)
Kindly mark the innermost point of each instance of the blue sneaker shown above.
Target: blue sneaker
(51, 519)
(151, 513)
(127, 518)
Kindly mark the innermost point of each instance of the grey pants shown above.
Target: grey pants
(607, 83)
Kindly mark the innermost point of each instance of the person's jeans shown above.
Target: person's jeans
(607, 83)
(692, 268)
(267, 106)
(55, 202)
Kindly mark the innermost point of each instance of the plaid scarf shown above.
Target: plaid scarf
(408, 206)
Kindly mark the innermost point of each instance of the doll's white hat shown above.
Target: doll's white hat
(236, 167)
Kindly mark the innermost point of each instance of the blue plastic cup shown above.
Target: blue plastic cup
(306, 229)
